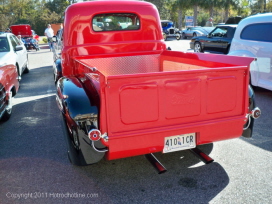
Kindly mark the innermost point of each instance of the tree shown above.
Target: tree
(182, 6)
(57, 8)
(50, 17)
(227, 5)
(260, 6)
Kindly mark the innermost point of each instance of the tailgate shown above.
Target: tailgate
(163, 101)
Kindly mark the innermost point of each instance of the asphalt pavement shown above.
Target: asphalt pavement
(34, 167)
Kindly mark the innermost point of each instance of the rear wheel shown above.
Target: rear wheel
(227, 51)
(19, 73)
(79, 147)
(164, 36)
(26, 68)
(197, 47)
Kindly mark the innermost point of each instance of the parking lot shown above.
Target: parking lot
(35, 168)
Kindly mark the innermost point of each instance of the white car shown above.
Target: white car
(13, 51)
(253, 38)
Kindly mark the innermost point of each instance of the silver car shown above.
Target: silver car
(253, 38)
(196, 31)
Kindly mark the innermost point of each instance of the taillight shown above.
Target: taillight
(94, 135)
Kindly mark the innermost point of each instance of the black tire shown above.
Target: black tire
(80, 152)
(197, 47)
(194, 34)
(183, 36)
(26, 68)
(250, 123)
(164, 36)
(227, 51)
(178, 36)
(18, 71)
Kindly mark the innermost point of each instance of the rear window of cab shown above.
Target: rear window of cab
(115, 22)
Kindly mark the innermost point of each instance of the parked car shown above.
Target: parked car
(217, 41)
(196, 31)
(253, 38)
(9, 86)
(169, 30)
(13, 51)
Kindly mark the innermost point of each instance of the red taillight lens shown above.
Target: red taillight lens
(94, 135)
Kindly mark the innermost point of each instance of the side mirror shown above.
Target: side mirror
(18, 48)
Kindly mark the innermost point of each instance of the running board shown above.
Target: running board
(201, 155)
(155, 163)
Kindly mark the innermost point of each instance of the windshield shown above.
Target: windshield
(4, 46)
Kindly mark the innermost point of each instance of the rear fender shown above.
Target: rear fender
(79, 114)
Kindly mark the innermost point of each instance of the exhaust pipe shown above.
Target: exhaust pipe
(155, 163)
(201, 155)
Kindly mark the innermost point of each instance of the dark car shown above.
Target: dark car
(217, 41)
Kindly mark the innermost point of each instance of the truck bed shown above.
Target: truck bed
(147, 97)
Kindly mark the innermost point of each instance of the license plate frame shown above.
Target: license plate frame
(179, 142)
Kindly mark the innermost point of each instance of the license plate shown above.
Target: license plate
(179, 142)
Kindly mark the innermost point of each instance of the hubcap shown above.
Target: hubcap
(197, 47)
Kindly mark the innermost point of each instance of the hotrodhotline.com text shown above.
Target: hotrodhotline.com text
(37, 195)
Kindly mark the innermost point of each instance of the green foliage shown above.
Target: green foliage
(56, 10)
(38, 13)
(202, 18)
(44, 40)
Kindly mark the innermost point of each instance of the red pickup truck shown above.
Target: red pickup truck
(122, 93)
(24, 30)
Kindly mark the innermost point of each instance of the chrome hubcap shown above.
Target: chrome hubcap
(197, 47)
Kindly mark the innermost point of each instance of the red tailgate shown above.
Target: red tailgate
(142, 109)
(24, 30)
